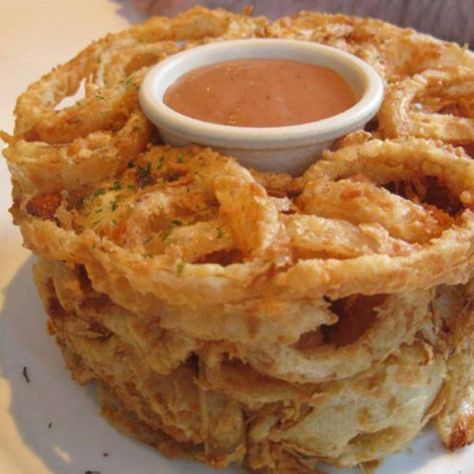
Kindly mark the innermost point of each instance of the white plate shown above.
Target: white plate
(34, 36)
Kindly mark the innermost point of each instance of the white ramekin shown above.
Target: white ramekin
(289, 149)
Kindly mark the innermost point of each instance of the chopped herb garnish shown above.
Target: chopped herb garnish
(148, 239)
(144, 175)
(144, 170)
(127, 83)
(114, 222)
(100, 97)
(95, 223)
(98, 210)
(131, 187)
(180, 159)
(165, 234)
(99, 192)
(117, 186)
(113, 205)
(220, 232)
(25, 374)
(132, 164)
(180, 267)
(160, 162)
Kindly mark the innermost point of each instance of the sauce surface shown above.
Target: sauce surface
(260, 93)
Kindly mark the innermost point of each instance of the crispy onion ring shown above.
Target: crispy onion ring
(449, 88)
(368, 424)
(453, 310)
(223, 371)
(38, 168)
(391, 320)
(105, 108)
(351, 423)
(354, 35)
(394, 52)
(412, 52)
(365, 169)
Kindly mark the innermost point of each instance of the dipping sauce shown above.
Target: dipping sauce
(260, 93)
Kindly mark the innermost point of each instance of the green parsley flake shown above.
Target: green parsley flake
(117, 186)
(176, 222)
(180, 159)
(99, 192)
(144, 170)
(113, 205)
(180, 267)
(127, 83)
(165, 234)
(220, 232)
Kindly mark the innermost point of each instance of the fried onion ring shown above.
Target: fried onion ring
(366, 168)
(394, 52)
(452, 87)
(397, 318)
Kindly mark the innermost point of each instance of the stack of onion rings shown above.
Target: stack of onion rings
(230, 315)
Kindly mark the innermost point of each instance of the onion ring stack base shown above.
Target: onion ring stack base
(208, 404)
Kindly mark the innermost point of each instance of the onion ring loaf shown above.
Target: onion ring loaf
(229, 315)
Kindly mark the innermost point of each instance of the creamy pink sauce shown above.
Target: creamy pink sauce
(260, 93)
